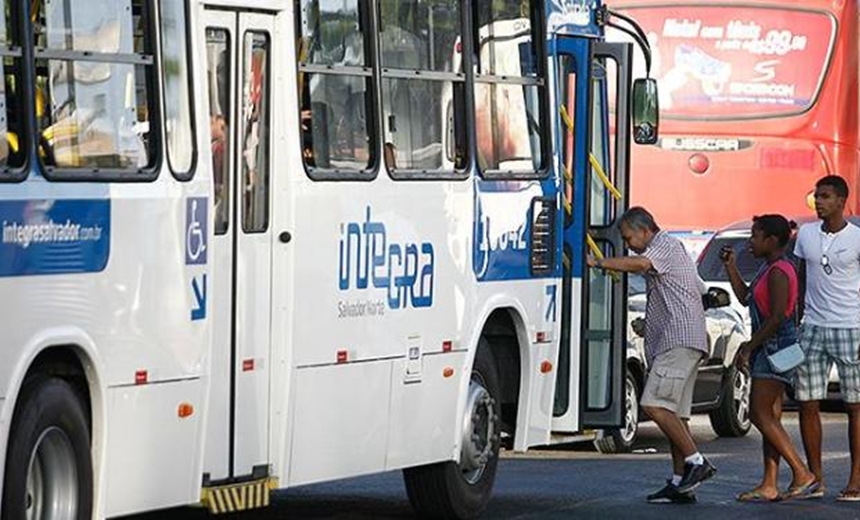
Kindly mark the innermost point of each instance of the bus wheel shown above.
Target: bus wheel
(732, 417)
(48, 466)
(462, 490)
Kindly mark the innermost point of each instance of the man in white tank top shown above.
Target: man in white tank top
(830, 330)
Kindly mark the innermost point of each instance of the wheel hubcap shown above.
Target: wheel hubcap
(631, 413)
(741, 398)
(52, 478)
(480, 430)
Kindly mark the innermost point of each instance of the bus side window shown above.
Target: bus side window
(510, 91)
(336, 101)
(97, 110)
(178, 117)
(422, 86)
(12, 141)
(218, 81)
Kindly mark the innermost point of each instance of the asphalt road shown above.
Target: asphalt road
(577, 482)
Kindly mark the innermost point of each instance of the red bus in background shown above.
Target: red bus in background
(758, 101)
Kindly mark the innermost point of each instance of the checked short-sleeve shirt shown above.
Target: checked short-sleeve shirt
(674, 315)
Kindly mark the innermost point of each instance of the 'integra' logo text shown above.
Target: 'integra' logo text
(367, 259)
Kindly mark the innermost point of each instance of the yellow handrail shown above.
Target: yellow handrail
(566, 118)
(12, 139)
(598, 169)
(595, 250)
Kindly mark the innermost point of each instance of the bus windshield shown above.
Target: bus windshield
(736, 62)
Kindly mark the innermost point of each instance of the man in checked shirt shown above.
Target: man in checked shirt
(675, 343)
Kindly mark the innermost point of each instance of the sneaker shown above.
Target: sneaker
(669, 494)
(695, 474)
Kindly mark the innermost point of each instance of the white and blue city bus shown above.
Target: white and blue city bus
(246, 249)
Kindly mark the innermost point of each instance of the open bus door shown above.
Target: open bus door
(591, 365)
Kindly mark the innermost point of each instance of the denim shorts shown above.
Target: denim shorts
(760, 367)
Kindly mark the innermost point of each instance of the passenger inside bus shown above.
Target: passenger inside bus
(219, 131)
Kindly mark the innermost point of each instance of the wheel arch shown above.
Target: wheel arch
(504, 331)
(70, 355)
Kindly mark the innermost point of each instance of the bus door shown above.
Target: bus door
(591, 365)
(239, 63)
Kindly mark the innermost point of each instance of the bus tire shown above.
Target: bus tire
(620, 440)
(462, 489)
(732, 418)
(49, 428)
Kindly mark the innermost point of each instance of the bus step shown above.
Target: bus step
(244, 496)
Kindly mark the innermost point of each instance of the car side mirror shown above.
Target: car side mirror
(716, 297)
(646, 111)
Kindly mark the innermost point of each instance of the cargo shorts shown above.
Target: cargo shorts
(671, 380)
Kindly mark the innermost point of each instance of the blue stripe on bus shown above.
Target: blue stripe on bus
(49, 236)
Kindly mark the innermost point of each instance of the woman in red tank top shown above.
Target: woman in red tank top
(772, 299)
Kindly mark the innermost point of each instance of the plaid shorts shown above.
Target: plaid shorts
(823, 347)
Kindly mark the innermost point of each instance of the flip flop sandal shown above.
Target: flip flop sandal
(801, 492)
(818, 493)
(754, 495)
(849, 495)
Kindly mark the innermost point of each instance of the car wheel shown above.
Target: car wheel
(620, 440)
(732, 417)
(462, 490)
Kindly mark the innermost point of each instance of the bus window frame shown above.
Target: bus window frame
(146, 174)
(19, 51)
(463, 78)
(192, 113)
(537, 21)
(437, 174)
(370, 72)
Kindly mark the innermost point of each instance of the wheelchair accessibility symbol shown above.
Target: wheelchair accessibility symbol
(196, 230)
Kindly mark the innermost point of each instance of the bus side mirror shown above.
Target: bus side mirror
(646, 111)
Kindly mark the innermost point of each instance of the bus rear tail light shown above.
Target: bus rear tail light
(787, 159)
(447, 345)
(342, 356)
(447, 372)
(545, 367)
(698, 163)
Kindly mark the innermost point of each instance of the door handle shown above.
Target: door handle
(285, 237)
